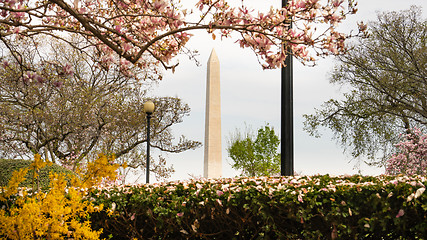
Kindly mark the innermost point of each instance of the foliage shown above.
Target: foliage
(317, 207)
(255, 156)
(411, 158)
(94, 109)
(8, 166)
(61, 212)
(124, 32)
(385, 74)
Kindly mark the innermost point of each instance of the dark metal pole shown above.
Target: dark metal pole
(148, 147)
(287, 115)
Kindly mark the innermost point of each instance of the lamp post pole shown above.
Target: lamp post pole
(287, 128)
(149, 109)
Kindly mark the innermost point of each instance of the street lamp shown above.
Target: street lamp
(149, 109)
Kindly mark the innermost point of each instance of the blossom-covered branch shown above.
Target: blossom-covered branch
(160, 28)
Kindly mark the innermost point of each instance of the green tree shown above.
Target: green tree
(255, 155)
(386, 74)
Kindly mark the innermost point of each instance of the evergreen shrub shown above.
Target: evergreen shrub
(8, 166)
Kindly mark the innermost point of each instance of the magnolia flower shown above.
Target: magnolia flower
(400, 213)
(337, 3)
(419, 192)
(300, 198)
(410, 197)
(68, 69)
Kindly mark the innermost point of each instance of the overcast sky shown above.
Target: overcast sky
(251, 95)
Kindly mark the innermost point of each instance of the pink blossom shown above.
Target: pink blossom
(337, 3)
(400, 213)
(118, 28)
(68, 69)
(159, 5)
(300, 4)
(5, 64)
(58, 84)
(83, 10)
(39, 79)
(300, 198)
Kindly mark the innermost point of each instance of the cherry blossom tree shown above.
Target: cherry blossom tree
(124, 31)
(68, 112)
(411, 157)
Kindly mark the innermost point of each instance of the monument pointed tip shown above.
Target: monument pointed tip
(213, 56)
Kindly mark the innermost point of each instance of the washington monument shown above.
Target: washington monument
(213, 155)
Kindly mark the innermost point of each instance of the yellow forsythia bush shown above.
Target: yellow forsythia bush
(60, 213)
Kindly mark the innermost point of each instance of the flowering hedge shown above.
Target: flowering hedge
(317, 207)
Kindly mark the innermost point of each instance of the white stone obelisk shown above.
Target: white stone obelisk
(213, 154)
